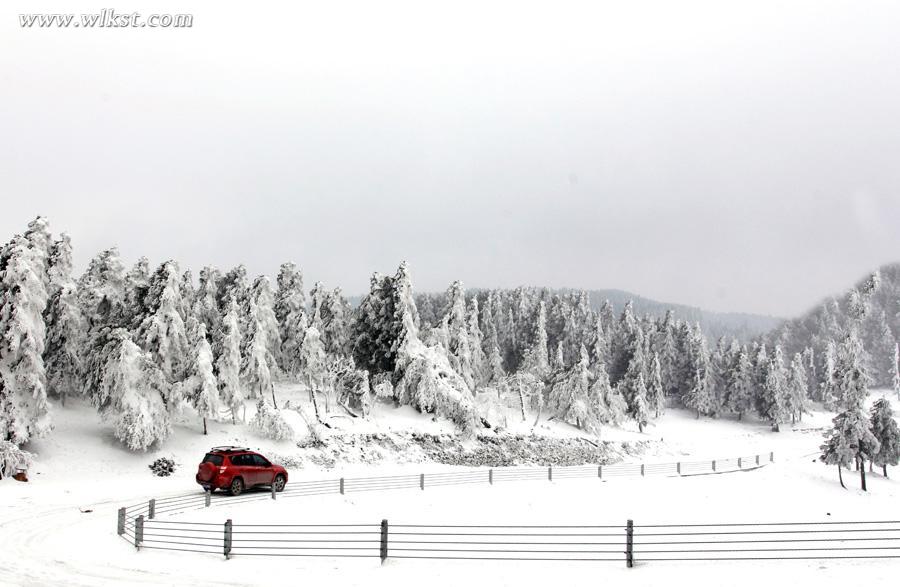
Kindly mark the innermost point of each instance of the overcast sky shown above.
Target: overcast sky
(740, 156)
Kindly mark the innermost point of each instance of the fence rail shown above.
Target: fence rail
(140, 525)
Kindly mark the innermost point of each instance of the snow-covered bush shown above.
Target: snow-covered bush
(13, 459)
(429, 384)
(162, 467)
(270, 423)
(490, 408)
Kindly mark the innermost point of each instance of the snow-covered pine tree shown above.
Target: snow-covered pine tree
(699, 398)
(206, 308)
(290, 300)
(570, 395)
(880, 348)
(851, 380)
(632, 382)
(656, 395)
(59, 272)
(188, 294)
(128, 388)
(559, 362)
(610, 405)
(262, 345)
(39, 244)
(313, 365)
(797, 387)
(137, 284)
(850, 441)
(101, 289)
(742, 385)
(812, 377)
(200, 387)
(885, 430)
(828, 385)
(476, 343)
(269, 422)
(161, 331)
(457, 336)
(65, 342)
(774, 400)
(24, 410)
(228, 363)
(335, 326)
(639, 411)
(623, 343)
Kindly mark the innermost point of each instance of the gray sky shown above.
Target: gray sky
(742, 157)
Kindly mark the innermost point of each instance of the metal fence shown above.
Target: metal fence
(629, 543)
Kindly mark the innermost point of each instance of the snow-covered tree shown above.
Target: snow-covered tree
(313, 365)
(161, 331)
(101, 289)
(851, 379)
(269, 422)
(896, 376)
(742, 385)
(632, 383)
(206, 308)
(774, 401)
(699, 397)
(828, 385)
(65, 342)
(128, 388)
(797, 387)
(611, 406)
(59, 271)
(639, 411)
(24, 410)
(656, 398)
(476, 343)
(290, 310)
(13, 459)
(850, 441)
(200, 388)
(137, 284)
(258, 363)
(228, 363)
(885, 430)
(429, 384)
(570, 395)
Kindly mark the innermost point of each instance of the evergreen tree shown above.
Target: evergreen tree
(632, 384)
(850, 441)
(65, 341)
(797, 386)
(128, 388)
(699, 398)
(896, 376)
(206, 308)
(569, 395)
(639, 411)
(137, 284)
(742, 385)
(656, 399)
(262, 345)
(828, 385)
(228, 363)
(851, 380)
(476, 342)
(200, 387)
(188, 295)
(59, 272)
(24, 410)
(885, 430)
(774, 400)
(313, 366)
(101, 289)
(290, 303)
(161, 331)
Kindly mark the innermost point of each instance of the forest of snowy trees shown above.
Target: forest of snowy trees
(143, 344)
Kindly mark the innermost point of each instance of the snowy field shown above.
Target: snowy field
(59, 529)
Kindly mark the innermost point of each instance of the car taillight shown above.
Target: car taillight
(221, 470)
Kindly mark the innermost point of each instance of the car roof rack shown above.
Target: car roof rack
(227, 448)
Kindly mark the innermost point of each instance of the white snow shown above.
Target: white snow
(48, 536)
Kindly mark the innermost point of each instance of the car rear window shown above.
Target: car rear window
(214, 459)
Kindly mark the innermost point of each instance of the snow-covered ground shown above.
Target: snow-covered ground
(59, 529)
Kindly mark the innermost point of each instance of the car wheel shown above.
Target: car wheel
(237, 486)
(279, 482)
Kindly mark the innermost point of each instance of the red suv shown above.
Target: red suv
(237, 469)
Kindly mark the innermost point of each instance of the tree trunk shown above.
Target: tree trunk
(522, 402)
(862, 475)
(841, 477)
(274, 403)
(740, 416)
(884, 470)
(870, 466)
(62, 399)
(698, 414)
(640, 427)
(233, 417)
(312, 395)
(204, 426)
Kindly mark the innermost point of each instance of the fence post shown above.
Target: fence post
(342, 486)
(422, 481)
(739, 463)
(714, 465)
(771, 457)
(491, 476)
(120, 523)
(384, 540)
(678, 467)
(208, 497)
(629, 544)
(757, 460)
(599, 471)
(273, 489)
(642, 469)
(226, 543)
(550, 473)
(152, 507)
(138, 531)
